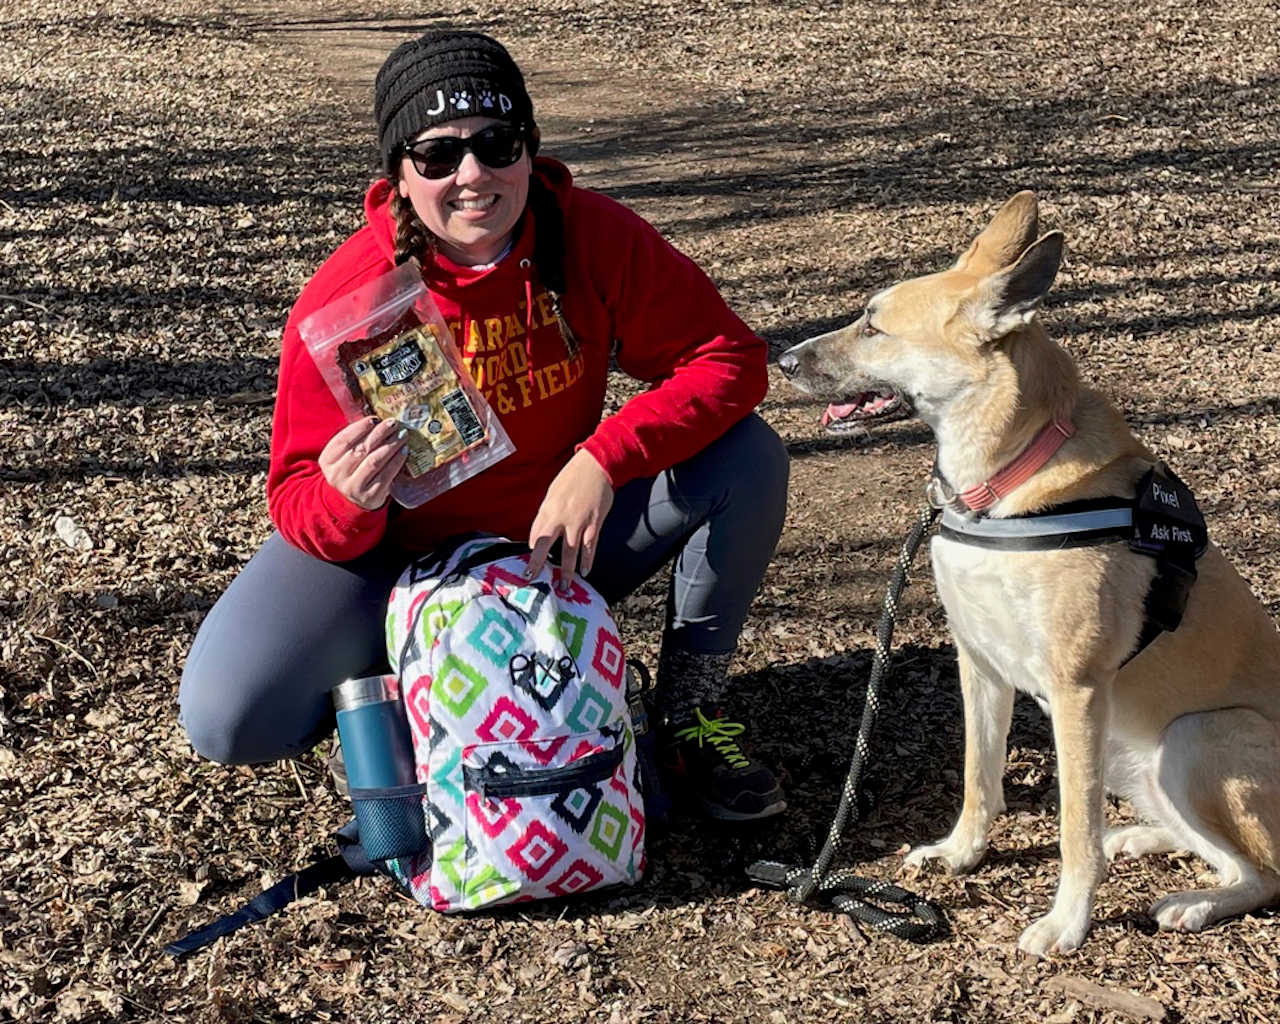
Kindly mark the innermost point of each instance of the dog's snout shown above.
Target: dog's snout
(788, 362)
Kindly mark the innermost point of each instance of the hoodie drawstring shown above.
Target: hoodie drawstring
(566, 332)
(527, 266)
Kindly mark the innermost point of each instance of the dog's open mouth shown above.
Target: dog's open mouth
(878, 406)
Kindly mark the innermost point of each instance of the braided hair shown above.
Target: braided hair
(412, 239)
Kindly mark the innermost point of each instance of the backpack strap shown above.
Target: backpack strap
(493, 553)
(347, 863)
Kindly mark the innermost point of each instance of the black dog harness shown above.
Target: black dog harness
(1161, 521)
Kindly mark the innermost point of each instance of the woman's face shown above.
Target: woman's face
(473, 211)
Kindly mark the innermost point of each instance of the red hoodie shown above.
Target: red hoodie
(627, 287)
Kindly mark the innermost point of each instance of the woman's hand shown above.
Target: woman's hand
(362, 459)
(573, 512)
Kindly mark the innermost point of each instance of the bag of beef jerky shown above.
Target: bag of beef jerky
(384, 349)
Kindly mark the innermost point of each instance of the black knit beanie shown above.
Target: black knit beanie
(443, 76)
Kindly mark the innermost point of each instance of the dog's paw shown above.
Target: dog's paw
(1136, 841)
(956, 853)
(1054, 933)
(1183, 912)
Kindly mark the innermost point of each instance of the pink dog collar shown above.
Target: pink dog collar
(1020, 470)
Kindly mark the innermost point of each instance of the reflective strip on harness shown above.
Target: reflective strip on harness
(1162, 522)
(1041, 533)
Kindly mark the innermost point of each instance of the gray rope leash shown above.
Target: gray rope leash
(847, 892)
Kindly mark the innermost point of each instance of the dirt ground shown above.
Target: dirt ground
(173, 171)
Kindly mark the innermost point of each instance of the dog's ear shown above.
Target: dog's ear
(1007, 300)
(1009, 233)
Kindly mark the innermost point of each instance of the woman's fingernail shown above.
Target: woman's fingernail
(404, 449)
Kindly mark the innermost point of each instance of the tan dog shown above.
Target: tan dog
(1189, 729)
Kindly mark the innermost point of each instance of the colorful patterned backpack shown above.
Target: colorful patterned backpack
(516, 698)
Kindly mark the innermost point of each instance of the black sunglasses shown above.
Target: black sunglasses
(499, 145)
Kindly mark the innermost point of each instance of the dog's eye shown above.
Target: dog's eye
(868, 331)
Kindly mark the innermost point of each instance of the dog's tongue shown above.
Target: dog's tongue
(836, 412)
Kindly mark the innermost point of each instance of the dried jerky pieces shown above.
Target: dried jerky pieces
(349, 352)
(408, 378)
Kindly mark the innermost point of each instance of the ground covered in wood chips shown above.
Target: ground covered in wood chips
(172, 172)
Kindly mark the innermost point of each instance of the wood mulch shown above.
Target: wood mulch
(171, 173)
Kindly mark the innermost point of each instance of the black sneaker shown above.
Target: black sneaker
(719, 774)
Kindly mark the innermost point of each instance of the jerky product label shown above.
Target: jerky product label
(463, 416)
(399, 365)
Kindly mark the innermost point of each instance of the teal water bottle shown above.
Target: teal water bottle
(377, 748)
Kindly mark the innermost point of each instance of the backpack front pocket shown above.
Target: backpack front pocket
(551, 816)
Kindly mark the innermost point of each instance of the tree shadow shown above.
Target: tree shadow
(42, 383)
(877, 439)
(138, 468)
(711, 150)
(806, 715)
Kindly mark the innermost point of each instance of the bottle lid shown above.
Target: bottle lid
(355, 693)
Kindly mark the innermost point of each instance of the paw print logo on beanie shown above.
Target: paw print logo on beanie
(461, 100)
(487, 99)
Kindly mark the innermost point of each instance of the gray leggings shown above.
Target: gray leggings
(291, 627)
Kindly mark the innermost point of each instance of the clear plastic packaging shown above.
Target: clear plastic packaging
(384, 349)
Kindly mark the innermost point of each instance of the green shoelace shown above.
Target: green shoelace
(719, 734)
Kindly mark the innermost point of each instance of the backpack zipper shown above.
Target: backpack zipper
(543, 781)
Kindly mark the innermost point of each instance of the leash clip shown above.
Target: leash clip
(939, 493)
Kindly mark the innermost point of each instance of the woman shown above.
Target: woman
(542, 283)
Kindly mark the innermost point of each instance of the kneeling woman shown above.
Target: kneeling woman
(541, 282)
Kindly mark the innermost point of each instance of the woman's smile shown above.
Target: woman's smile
(475, 206)
(478, 203)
